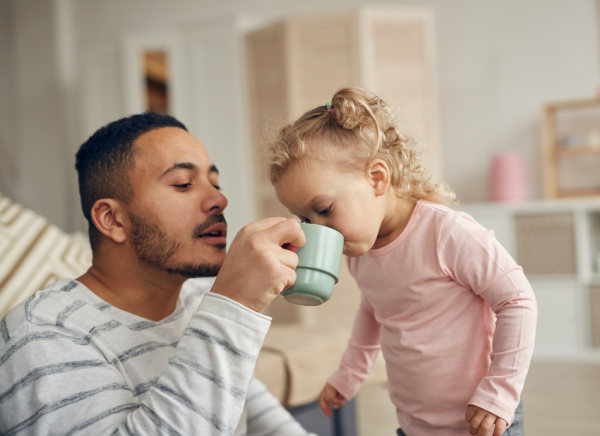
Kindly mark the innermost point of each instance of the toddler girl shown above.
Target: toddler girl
(450, 309)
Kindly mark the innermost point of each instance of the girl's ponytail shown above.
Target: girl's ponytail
(354, 109)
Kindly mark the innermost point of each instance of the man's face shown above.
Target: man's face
(177, 222)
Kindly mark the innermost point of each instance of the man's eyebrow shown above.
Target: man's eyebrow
(181, 165)
(213, 169)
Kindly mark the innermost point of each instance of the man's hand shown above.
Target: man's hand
(257, 268)
(482, 421)
(330, 395)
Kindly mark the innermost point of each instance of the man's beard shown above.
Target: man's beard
(155, 248)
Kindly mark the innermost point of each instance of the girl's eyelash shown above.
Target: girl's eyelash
(325, 211)
(217, 187)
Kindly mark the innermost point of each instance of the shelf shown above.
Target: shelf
(583, 192)
(577, 151)
(553, 151)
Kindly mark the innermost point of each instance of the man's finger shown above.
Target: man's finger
(289, 259)
(287, 232)
(290, 279)
(500, 427)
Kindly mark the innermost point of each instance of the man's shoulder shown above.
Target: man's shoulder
(53, 307)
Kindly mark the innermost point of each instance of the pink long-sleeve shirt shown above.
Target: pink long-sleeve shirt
(454, 317)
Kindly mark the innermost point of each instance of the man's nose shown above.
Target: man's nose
(216, 200)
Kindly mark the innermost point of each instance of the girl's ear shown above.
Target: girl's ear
(379, 174)
(109, 217)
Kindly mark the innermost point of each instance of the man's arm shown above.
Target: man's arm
(266, 416)
(55, 381)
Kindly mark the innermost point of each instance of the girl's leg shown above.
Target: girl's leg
(516, 428)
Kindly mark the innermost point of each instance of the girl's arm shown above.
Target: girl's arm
(361, 353)
(512, 300)
(475, 259)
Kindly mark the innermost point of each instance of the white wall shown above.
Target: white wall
(499, 61)
(35, 149)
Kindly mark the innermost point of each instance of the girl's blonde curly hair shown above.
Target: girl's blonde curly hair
(360, 127)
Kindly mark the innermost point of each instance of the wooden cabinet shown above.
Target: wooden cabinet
(298, 63)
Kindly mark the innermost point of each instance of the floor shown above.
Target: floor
(562, 399)
(559, 399)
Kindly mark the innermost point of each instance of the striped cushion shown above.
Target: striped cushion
(33, 254)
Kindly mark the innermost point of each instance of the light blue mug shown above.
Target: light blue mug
(319, 263)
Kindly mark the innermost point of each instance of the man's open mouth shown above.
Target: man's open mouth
(217, 231)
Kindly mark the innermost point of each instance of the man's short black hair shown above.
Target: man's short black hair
(105, 160)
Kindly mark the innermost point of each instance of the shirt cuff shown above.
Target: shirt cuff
(492, 406)
(345, 384)
(225, 307)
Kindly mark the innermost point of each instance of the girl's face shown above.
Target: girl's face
(345, 201)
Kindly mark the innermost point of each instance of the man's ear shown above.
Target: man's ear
(380, 177)
(110, 217)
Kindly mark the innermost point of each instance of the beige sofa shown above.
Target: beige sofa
(34, 253)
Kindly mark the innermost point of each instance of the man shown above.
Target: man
(128, 348)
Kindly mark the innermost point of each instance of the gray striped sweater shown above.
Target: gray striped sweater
(71, 364)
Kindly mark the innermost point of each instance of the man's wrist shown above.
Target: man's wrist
(238, 296)
(224, 307)
(233, 298)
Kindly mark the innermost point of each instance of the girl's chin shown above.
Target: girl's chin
(353, 251)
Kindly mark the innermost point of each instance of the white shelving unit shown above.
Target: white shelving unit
(558, 245)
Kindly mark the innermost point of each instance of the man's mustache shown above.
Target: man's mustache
(210, 221)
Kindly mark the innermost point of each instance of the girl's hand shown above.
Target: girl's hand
(329, 395)
(481, 422)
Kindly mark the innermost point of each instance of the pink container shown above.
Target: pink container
(508, 178)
